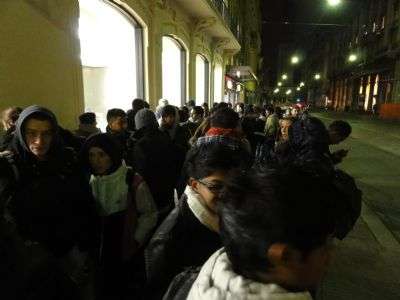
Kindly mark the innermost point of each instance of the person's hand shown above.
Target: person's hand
(340, 154)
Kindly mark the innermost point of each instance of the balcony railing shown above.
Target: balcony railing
(230, 20)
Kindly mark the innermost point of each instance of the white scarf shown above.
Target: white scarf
(201, 212)
(218, 281)
(110, 191)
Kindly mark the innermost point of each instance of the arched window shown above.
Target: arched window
(218, 77)
(112, 57)
(202, 79)
(173, 71)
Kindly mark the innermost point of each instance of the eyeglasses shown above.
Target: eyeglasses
(214, 187)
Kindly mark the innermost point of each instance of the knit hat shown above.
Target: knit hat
(108, 144)
(145, 118)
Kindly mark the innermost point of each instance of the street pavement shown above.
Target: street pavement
(367, 262)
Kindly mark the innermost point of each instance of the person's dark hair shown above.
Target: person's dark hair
(206, 159)
(115, 113)
(87, 118)
(205, 104)
(168, 110)
(137, 104)
(191, 103)
(279, 112)
(198, 110)
(146, 105)
(183, 114)
(341, 127)
(225, 118)
(270, 109)
(260, 208)
(249, 109)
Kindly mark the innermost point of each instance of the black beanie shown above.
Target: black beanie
(108, 144)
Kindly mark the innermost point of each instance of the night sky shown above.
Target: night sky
(299, 36)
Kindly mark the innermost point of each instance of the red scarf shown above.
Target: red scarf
(214, 131)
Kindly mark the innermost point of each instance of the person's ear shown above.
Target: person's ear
(277, 254)
(280, 254)
(194, 184)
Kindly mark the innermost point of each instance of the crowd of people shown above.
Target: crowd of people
(226, 202)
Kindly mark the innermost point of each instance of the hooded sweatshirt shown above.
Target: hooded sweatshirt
(19, 142)
(51, 201)
(218, 281)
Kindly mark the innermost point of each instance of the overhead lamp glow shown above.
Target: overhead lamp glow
(295, 60)
(276, 91)
(279, 83)
(353, 57)
(302, 84)
(298, 89)
(284, 77)
(334, 3)
(288, 92)
(317, 76)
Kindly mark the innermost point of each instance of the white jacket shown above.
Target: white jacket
(218, 281)
(111, 196)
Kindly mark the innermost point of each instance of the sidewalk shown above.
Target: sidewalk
(363, 268)
(367, 262)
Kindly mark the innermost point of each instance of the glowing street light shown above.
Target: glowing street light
(276, 91)
(284, 77)
(295, 60)
(298, 89)
(279, 83)
(353, 57)
(302, 84)
(334, 3)
(317, 76)
(288, 92)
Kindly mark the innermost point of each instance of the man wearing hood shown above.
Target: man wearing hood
(42, 190)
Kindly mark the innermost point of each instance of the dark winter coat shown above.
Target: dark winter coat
(6, 139)
(50, 201)
(155, 158)
(181, 241)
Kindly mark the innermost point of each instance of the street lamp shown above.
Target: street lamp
(288, 92)
(298, 89)
(284, 77)
(276, 91)
(279, 83)
(317, 76)
(302, 84)
(334, 3)
(353, 57)
(295, 60)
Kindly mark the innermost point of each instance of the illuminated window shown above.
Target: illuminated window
(218, 80)
(367, 93)
(173, 71)
(376, 89)
(111, 56)
(202, 80)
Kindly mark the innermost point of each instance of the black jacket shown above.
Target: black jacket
(155, 158)
(179, 243)
(6, 139)
(50, 201)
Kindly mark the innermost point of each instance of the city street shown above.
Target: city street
(367, 262)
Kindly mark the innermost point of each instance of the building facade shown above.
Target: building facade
(360, 65)
(92, 55)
